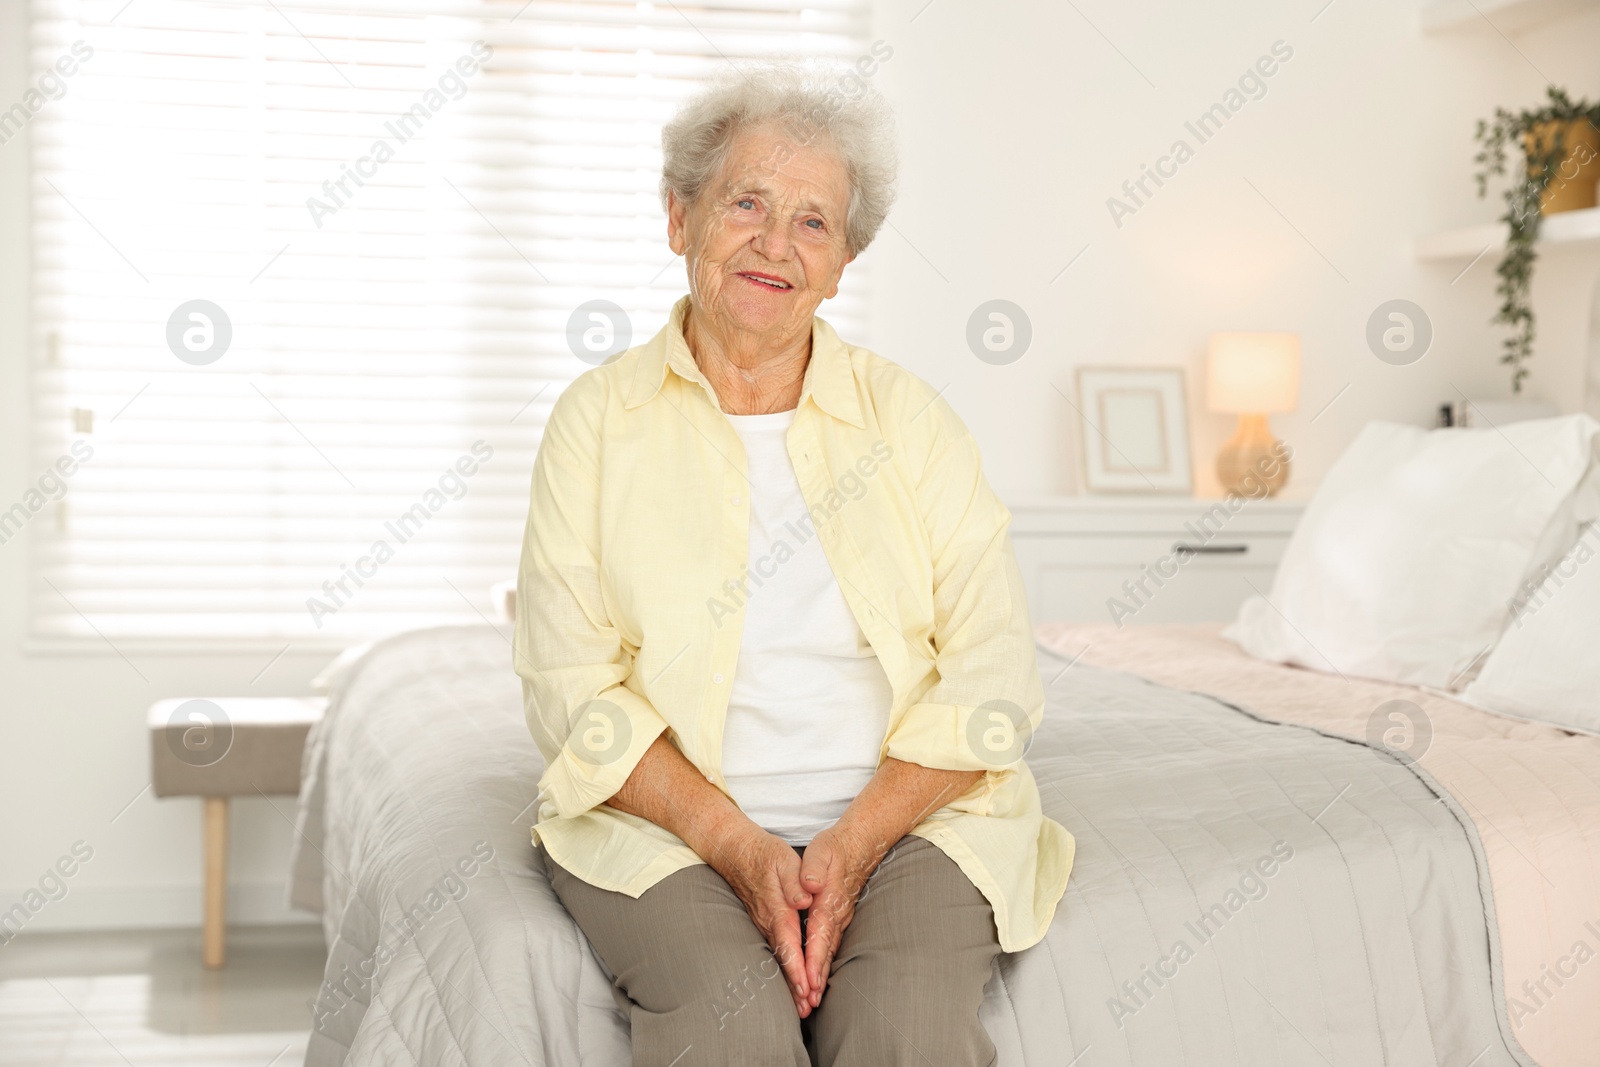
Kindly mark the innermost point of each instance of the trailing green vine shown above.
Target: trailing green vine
(1541, 136)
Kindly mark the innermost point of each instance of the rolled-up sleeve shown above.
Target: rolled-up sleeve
(591, 728)
(987, 701)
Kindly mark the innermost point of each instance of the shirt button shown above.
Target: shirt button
(737, 501)
(717, 678)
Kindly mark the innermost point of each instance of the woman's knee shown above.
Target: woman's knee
(729, 1012)
(877, 1018)
(909, 977)
(696, 972)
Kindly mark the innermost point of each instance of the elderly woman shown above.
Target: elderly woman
(773, 637)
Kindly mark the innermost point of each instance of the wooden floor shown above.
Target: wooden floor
(142, 998)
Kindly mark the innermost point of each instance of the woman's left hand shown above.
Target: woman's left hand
(839, 860)
(834, 869)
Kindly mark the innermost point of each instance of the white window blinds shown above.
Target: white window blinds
(303, 279)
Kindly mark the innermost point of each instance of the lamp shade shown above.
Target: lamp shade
(1253, 373)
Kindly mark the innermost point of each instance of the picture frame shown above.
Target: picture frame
(1134, 430)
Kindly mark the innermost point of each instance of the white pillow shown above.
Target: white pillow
(1547, 665)
(1405, 561)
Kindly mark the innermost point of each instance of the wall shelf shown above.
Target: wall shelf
(1467, 242)
(1507, 16)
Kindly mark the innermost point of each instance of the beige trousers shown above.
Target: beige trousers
(703, 989)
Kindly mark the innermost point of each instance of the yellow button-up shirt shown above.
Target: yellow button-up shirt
(634, 567)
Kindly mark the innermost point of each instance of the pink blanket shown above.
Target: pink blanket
(1533, 792)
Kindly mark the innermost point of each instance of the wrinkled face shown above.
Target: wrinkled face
(765, 240)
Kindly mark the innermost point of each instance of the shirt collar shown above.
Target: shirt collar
(829, 381)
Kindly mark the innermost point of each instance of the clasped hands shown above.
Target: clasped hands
(776, 885)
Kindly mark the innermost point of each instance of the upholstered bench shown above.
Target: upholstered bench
(219, 748)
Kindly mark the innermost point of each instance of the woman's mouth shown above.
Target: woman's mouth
(765, 281)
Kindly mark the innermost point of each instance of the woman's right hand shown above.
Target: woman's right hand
(764, 872)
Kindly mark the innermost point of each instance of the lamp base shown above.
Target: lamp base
(1252, 462)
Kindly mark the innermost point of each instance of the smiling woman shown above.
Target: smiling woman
(774, 197)
(715, 798)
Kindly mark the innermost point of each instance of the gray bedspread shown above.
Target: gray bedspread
(1246, 892)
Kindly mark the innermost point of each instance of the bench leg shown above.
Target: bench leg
(214, 932)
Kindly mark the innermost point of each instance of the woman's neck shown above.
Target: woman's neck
(751, 375)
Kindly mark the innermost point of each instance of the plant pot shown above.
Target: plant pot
(1572, 186)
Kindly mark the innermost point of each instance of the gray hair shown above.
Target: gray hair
(812, 100)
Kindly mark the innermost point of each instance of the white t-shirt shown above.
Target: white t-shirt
(810, 702)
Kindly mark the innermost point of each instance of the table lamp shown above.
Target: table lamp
(1252, 375)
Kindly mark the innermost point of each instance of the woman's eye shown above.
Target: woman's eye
(815, 224)
(746, 203)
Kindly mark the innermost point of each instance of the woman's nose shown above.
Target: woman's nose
(773, 240)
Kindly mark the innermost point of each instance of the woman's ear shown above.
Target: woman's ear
(833, 290)
(677, 217)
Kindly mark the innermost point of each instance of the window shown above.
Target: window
(304, 277)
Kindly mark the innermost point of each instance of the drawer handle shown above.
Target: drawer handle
(1211, 550)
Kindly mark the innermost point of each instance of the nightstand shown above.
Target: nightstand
(1147, 559)
(218, 748)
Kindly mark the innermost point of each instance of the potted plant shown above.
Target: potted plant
(1560, 142)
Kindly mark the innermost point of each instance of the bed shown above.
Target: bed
(1256, 883)
(1532, 793)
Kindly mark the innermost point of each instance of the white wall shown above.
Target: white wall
(1018, 121)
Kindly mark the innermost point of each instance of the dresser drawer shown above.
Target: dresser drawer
(1143, 577)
